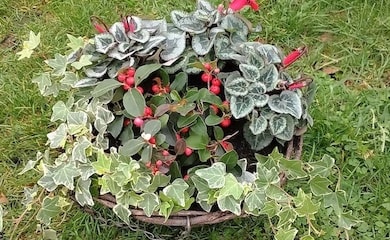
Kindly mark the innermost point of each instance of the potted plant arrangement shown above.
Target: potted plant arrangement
(166, 120)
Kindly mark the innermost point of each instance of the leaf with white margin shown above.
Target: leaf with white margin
(214, 175)
(187, 22)
(57, 138)
(286, 234)
(82, 193)
(102, 164)
(69, 79)
(119, 33)
(85, 60)
(288, 132)
(78, 152)
(43, 82)
(104, 42)
(287, 102)
(231, 188)
(277, 124)
(77, 122)
(86, 171)
(141, 36)
(75, 43)
(259, 141)
(149, 203)
(174, 45)
(103, 118)
(50, 208)
(270, 53)
(258, 125)
(229, 204)
(122, 212)
(58, 64)
(65, 173)
(255, 200)
(251, 73)
(237, 86)
(60, 111)
(241, 106)
(269, 76)
(176, 191)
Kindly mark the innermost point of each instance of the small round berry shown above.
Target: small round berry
(148, 111)
(216, 82)
(207, 66)
(188, 151)
(148, 164)
(156, 88)
(126, 122)
(214, 108)
(206, 77)
(226, 104)
(159, 163)
(165, 153)
(178, 137)
(186, 177)
(130, 81)
(226, 123)
(152, 140)
(140, 90)
(122, 77)
(126, 87)
(215, 89)
(130, 72)
(138, 122)
(217, 70)
(185, 130)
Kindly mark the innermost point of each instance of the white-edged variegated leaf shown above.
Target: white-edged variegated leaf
(85, 60)
(82, 193)
(231, 23)
(214, 175)
(205, 206)
(104, 42)
(154, 42)
(154, 26)
(141, 36)
(187, 22)
(57, 138)
(65, 173)
(287, 102)
(288, 132)
(237, 86)
(86, 171)
(50, 208)
(258, 125)
(270, 53)
(255, 200)
(96, 71)
(58, 64)
(86, 82)
(251, 73)
(269, 76)
(174, 45)
(255, 60)
(122, 212)
(123, 47)
(241, 106)
(43, 82)
(60, 112)
(277, 124)
(230, 204)
(69, 79)
(257, 93)
(115, 53)
(78, 152)
(103, 118)
(149, 203)
(176, 191)
(259, 141)
(77, 122)
(119, 33)
(203, 42)
(231, 188)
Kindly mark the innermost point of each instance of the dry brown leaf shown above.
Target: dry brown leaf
(3, 199)
(331, 70)
(326, 37)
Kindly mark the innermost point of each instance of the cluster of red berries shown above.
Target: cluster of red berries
(127, 78)
(139, 121)
(208, 77)
(227, 119)
(154, 167)
(157, 87)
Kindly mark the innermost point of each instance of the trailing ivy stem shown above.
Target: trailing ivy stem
(272, 225)
(338, 184)
(311, 226)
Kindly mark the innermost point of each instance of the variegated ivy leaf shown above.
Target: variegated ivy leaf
(50, 208)
(75, 43)
(287, 132)
(200, 184)
(269, 76)
(324, 167)
(149, 203)
(119, 33)
(104, 42)
(103, 118)
(82, 193)
(77, 122)
(29, 195)
(128, 198)
(259, 141)
(255, 200)
(287, 102)
(141, 36)
(159, 180)
(304, 204)
(277, 124)
(60, 112)
(286, 234)
(58, 64)
(122, 212)
(214, 175)
(286, 216)
(187, 22)
(258, 125)
(251, 73)
(141, 183)
(102, 141)
(57, 138)
(176, 191)
(266, 177)
(270, 53)
(79, 148)
(174, 45)
(319, 185)
(230, 204)
(86, 171)
(237, 86)
(47, 182)
(294, 168)
(231, 188)
(65, 173)
(69, 79)
(102, 164)
(43, 81)
(241, 106)
(85, 60)
(29, 46)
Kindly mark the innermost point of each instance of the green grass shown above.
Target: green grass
(351, 110)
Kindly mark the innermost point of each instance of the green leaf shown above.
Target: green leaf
(30, 45)
(258, 125)
(49, 234)
(176, 191)
(323, 167)
(187, 120)
(270, 53)
(49, 209)
(230, 159)
(43, 82)
(57, 138)
(287, 102)
(269, 76)
(82, 193)
(128, 198)
(294, 168)
(212, 120)
(166, 209)
(105, 86)
(159, 180)
(58, 64)
(197, 142)
(181, 79)
(147, 153)
(65, 173)
(149, 203)
(134, 102)
(122, 212)
(75, 43)
(229, 204)
(346, 220)
(214, 175)
(85, 60)
(185, 109)
(103, 163)
(131, 147)
(241, 106)
(304, 205)
(152, 127)
(259, 141)
(336, 201)
(286, 234)
(231, 23)
(175, 44)
(251, 73)
(186, 22)
(319, 185)
(275, 192)
(237, 86)
(218, 133)
(104, 42)
(231, 188)
(286, 216)
(204, 155)
(271, 208)
(288, 133)
(144, 71)
(277, 124)
(255, 200)
(69, 79)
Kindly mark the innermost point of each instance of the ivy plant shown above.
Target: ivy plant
(149, 117)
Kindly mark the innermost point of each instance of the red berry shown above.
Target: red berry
(216, 82)
(165, 153)
(188, 151)
(138, 122)
(130, 72)
(185, 130)
(140, 90)
(126, 122)
(148, 112)
(206, 77)
(186, 177)
(178, 137)
(217, 70)
(126, 87)
(207, 66)
(155, 88)
(226, 123)
(122, 77)
(148, 164)
(130, 81)
(214, 108)
(159, 163)
(215, 89)
(152, 140)
(225, 104)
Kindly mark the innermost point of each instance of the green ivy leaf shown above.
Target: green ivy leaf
(105, 86)
(271, 208)
(286, 234)
(166, 209)
(255, 200)
(57, 138)
(134, 102)
(231, 188)
(64, 174)
(103, 163)
(58, 64)
(122, 212)
(336, 201)
(85, 60)
(294, 168)
(237, 86)
(149, 203)
(319, 185)
(286, 216)
(346, 220)
(50, 208)
(82, 193)
(214, 175)
(287, 102)
(323, 167)
(176, 191)
(304, 205)
(230, 159)
(229, 204)
(241, 106)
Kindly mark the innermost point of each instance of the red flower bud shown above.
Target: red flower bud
(293, 56)
(237, 5)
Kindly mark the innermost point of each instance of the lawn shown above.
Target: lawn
(349, 58)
